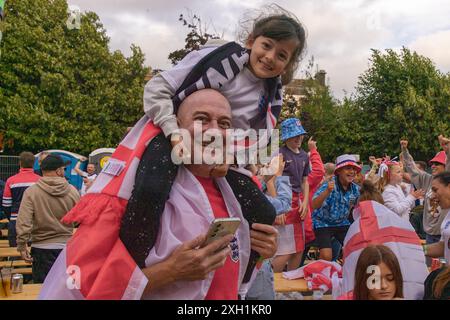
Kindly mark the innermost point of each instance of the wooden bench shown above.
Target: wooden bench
(4, 244)
(9, 252)
(4, 221)
(15, 264)
(23, 270)
(285, 285)
(30, 292)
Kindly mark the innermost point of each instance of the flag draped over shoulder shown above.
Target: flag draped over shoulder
(97, 264)
(376, 224)
(95, 255)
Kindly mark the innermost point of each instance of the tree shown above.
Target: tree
(401, 95)
(319, 113)
(197, 36)
(61, 87)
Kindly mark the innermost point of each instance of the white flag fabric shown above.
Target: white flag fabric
(376, 224)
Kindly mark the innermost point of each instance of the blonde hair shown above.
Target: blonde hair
(385, 176)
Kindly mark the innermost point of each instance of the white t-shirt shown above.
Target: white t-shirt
(399, 200)
(244, 92)
(445, 236)
(90, 178)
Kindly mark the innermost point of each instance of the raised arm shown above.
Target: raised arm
(372, 174)
(77, 168)
(324, 192)
(418, 177)
(317, 168)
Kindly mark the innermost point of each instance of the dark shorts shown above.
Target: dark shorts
(324, 236)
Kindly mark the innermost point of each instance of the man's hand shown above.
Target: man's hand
(444, 143)
(263, 239)
(190, 263)
(404, 144)
(25, 254)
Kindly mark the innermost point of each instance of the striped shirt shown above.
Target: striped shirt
(14, 188)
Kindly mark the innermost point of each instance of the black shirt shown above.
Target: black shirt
(428, 295)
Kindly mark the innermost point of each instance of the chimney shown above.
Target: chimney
(320, 77)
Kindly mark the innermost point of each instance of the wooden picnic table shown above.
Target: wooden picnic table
(30, 292)
(4, 244)
(9, 252)
(15, 264)
(284, 285)
(4, 221)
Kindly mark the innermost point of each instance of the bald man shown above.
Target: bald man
(178, 264)
(209, 109)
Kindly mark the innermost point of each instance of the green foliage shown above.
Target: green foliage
(62, 88)
(401, 95)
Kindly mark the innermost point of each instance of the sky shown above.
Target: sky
(340, 33)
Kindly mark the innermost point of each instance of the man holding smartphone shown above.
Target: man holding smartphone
(179, 265)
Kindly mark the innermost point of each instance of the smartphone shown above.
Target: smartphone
(220, 228)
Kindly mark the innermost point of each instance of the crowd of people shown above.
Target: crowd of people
(144, 218)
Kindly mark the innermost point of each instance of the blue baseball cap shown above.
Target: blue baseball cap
(290, 128)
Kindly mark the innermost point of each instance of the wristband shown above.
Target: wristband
(425, 250)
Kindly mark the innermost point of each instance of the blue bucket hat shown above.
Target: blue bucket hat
(290, 128)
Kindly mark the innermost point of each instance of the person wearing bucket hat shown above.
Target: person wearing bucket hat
(291, 239)
(332, 204)
(432, 214)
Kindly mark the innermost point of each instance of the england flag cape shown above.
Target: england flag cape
(187, 214)
(376, 224)
(95, 263)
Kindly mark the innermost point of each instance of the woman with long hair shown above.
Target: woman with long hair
(378, 275)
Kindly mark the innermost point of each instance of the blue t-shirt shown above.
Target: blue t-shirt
(336, 207)
(296, 167)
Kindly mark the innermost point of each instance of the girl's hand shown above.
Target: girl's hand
(179, 150)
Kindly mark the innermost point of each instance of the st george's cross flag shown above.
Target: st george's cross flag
(376, 224)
